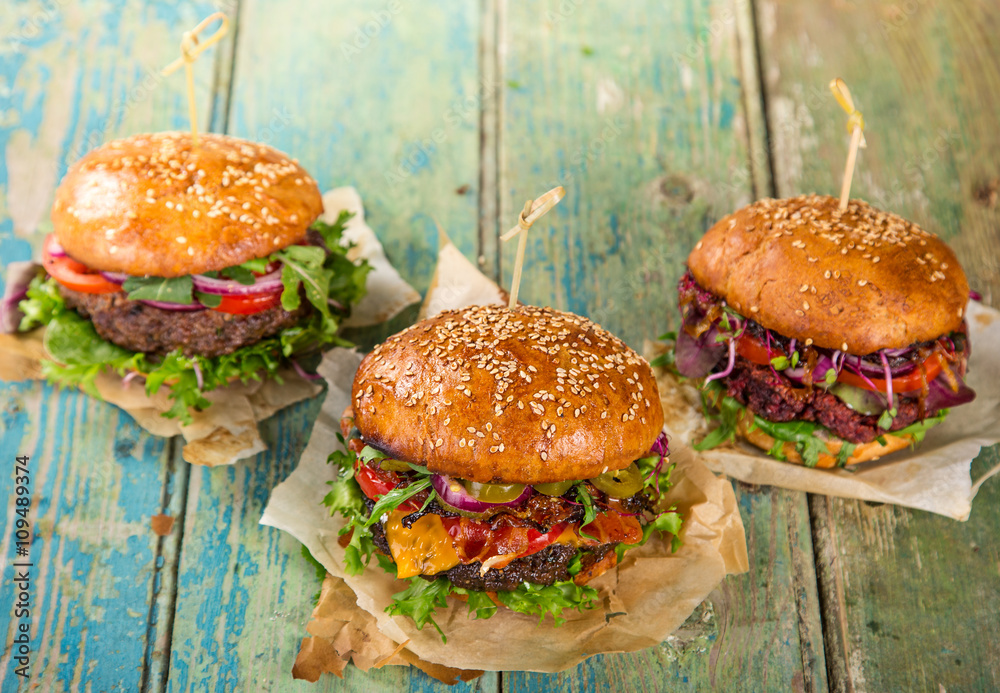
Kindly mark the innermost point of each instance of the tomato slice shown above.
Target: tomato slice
(904, 383)
(537, 543)
(752, 349)
(374, 483)
(249, 304)
(74, 275)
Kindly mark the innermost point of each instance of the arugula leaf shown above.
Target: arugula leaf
(208, 300)
(241, 274)
(589, 511)
(919, 429)
(368, 453)
(303, 267)
(395, 498)
(169, 290)
(725, 410)
(845, 452)
(257, 264)
(656, 480)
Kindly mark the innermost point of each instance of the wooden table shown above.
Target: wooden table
(658, 118)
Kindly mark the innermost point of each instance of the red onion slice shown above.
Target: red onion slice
(54, 248)
(180, 307)
(115, 277)
(454, 494)
(269, 283)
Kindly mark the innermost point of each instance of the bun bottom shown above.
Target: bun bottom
(862, 453)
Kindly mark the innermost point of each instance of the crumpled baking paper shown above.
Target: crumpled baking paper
(642, 601)
(227, 431)
(935, 476)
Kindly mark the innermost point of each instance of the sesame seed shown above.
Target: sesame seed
(803, 288)
(809, 341)
(843, 347)
(805, 305)
(182, 240)
(862, 282)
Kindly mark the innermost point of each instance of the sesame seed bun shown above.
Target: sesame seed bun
(862, 453)
(530, 395)
(858, 281)
(151, 205)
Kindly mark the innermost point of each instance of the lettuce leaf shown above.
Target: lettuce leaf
(803, 434)
(79, 354)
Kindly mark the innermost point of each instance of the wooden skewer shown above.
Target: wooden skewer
(191, 48)
(855, 126)
(533, 210)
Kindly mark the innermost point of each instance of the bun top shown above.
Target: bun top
(151, 205)
(859, 281)
(530, 395)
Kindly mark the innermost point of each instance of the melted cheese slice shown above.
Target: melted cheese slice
(422, 549)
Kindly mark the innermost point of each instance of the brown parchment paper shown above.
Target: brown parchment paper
(642, 601)
(227, 431)
(934, 476)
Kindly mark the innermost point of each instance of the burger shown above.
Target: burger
(506, 457)
(189, 266)
(824, 337)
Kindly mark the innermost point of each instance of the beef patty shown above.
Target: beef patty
(141, 327)
(545, 567)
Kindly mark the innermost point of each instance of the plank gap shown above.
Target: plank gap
(833, 615)
(224, 69)
(489, 246)
(761, 171)
(159, 639)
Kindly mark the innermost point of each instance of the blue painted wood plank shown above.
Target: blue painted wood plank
(71, 77)
(382, 97)
(643, 112)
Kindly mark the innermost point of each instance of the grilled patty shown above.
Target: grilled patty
(775, 398)
(771, 395)
(141, 327)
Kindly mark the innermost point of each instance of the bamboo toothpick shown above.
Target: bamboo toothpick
(191, 48)
(533, 210)
(855, 126)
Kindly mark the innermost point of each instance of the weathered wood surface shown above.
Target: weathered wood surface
(73, 77)
(655, 119)
(643, 121)
(911, 600)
